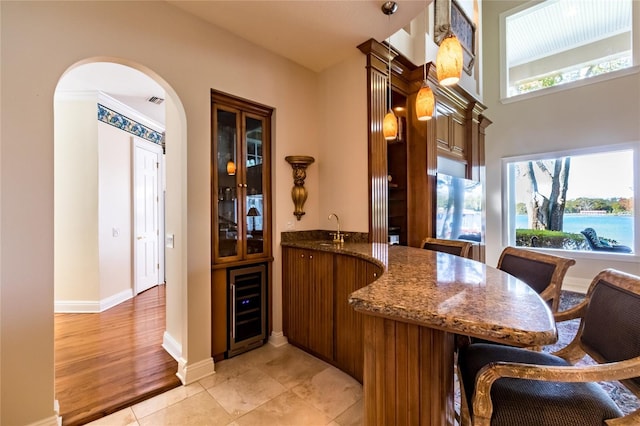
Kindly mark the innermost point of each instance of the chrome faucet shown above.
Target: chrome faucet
(337, 236)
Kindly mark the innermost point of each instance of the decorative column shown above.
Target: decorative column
(299, 164)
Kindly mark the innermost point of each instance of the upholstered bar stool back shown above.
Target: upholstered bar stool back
(455, 247)
(502, 385)
(542, 272)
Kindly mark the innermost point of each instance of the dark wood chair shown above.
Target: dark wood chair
(504, 385)
(542, 272)
(456, 247)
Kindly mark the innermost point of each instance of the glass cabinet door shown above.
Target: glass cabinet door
(226, 129)
(254, 187)
(241, 200)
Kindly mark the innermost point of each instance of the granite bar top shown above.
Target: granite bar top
(446, 292)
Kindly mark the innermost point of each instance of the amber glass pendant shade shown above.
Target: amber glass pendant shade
(390, 126)
(425, 103)
(231, 168)
(449, 61)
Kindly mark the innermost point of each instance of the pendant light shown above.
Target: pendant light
(390, 121)
(425, 101)
(231, 168)
(449, 61)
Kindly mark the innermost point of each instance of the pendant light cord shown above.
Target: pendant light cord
(426, 26)
(389, 82)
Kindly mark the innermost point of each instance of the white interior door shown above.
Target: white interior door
(147, 191)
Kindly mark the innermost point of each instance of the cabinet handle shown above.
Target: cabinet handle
(233, 311)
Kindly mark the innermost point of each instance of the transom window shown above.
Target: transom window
(582, 201)
(555, 42)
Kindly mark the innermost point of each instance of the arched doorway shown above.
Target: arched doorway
(94, 200)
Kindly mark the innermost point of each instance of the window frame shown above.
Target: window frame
(506, 99)
(509, 208)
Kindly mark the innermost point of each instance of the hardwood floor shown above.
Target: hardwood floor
(107, 361)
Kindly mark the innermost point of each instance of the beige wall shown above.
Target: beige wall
(188, 57)
(115, 207)
(604, 113)
(92, 196)
(77, 261)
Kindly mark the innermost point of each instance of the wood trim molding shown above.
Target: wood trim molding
(422, 147)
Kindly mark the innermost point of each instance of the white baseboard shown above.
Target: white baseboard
(90, 306)
(278, 339)
(54, 420)
(50, 421)
(578, 285)
(112, 301)
(172, 346)
(190, 373)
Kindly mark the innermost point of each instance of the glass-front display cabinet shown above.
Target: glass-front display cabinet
(241, 196)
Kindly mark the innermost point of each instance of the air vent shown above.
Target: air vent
(155, 100)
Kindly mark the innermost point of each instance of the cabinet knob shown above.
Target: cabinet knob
(302, 255)
(375, 274)
(310, 256)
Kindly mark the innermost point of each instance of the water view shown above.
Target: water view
(619, 228)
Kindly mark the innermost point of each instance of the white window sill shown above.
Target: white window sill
(590, 255)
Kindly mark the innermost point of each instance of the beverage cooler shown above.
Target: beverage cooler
(247, 308)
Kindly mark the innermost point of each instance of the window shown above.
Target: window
(556, 42)
(582, 201)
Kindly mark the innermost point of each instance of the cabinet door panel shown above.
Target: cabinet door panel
(226, 130)
(321, 303)
(458, 141)
(241, 184)
(442, 129)
(307, 279)
(295, 295)
(255, 189)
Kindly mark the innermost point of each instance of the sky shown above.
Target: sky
(601, 175)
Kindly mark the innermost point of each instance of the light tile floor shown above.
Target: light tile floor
(266, 386)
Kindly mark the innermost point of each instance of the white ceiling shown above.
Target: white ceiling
(123, 83)
(313, 33)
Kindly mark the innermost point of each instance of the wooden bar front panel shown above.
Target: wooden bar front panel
(351, 274)
(407, 379)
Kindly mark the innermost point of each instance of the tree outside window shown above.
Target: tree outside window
(554, 200)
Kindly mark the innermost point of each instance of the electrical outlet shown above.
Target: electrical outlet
(169, 241)
(115, 232)
(290, 226)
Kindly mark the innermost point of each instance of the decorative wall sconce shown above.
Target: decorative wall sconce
(299, 164)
